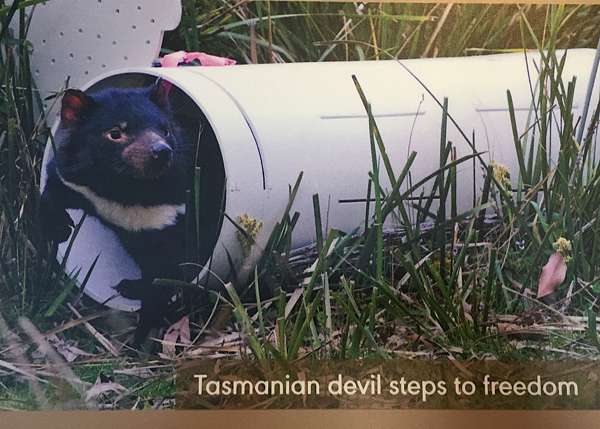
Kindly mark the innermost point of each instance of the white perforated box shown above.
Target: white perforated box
(81, 39)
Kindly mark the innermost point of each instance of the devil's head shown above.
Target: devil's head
(119, 142)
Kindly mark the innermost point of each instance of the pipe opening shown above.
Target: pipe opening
(211, 195)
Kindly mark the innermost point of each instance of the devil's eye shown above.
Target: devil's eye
(118, 133)
(115, 134)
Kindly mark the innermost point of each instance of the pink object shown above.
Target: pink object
(178, 331)
(176, 58)
(553, 274)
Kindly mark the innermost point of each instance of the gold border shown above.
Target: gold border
(298, 419)
(582, 2)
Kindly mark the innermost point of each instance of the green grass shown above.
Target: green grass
(264, 31)
(445, 284)
(425, 280)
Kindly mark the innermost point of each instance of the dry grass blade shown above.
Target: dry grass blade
(64, 371)
(16, 350)
(437, 30)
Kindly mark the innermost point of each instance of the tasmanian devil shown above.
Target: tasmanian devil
(121, 157)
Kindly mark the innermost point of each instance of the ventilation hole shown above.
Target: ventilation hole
(72, 55)
(61, 34)
(80, 30)
(133, 27)
(125, 57)
(43, 41)
(86, 72)
(139, 7)
(117, 11)
(103, 66)
(153, 20)
(37, 71)
(99, 1)
(147, 42)
(114, 42)
(89, 57)
(98, 36)
(53, 61)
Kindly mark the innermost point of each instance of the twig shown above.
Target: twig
(97, 335)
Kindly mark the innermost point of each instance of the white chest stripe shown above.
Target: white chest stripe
(132, 218)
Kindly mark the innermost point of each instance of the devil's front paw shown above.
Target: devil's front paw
(155, 305)
(132, 289)
(56, 222)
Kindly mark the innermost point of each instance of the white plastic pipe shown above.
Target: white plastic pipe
(274, 121)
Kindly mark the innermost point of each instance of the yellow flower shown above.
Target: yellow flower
(251, 227)
(501, 175)
(564, 247)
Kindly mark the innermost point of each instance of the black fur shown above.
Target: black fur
(86, 156)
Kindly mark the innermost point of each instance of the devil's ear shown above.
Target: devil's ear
(159, 92)
(75, 105)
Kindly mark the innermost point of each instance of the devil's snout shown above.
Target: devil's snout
(161, 152)
(148, 155)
